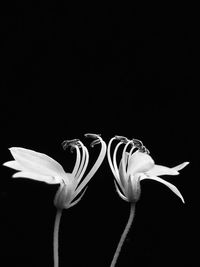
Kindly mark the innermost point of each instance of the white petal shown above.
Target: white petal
(13, 164)
(139, 162)
(158, 170)
(120, 194)
(36, 162)
(93, 169)
(34, 176)
(181, 166)
(77, 200)
(122, 175)
(169, 185)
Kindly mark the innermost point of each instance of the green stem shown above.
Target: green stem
(55, 237)
(128, 225)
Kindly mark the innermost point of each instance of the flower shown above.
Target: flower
(136, 165)
(38, 166)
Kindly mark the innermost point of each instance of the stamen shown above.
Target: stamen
(122, 195)
(77, 164)
(109, 158)
(72, 143)
(140, 146)
(94, 168)
(121, 138)
(130, 142)
(94, 136)
(81, 161)
(137, 143)
(77, 200)
(144, 150)
(115, 161)
(84, 163)
(95, 142)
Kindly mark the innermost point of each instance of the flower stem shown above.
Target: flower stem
(55, 237)
(123, 236)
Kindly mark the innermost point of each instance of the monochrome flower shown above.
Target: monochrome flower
(136, 165)
(38, 166)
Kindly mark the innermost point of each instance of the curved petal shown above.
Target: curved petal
(83, 164)
(94, 168)
(169, 185)
(34, 176)
(109, 159)
(36, 162)
(139, 162)
(14, 165)
(117, 176)
(158, 170)
(118, 191)
(77, 200)
(181, 166)
(122, 174)
(78, 158)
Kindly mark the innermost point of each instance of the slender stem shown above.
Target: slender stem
(55, 237)
(128, 225)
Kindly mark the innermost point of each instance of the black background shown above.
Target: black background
(68, 70)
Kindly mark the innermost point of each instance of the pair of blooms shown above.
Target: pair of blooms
(135, 165)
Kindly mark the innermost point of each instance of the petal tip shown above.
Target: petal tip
(12, 148)
(181, 197)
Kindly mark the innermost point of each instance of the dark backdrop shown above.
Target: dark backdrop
(66, 71)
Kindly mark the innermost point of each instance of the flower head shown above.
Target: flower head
(38, 166)
(135, 165)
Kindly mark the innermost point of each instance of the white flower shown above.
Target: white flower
(136, 164)
(40, 167)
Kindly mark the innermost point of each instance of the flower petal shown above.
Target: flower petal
(35, 162)
(118, 191)
(181, 166)
(35, 176)
(94, 168)
(77, 200)
(122, 174)
(169, 185)
(139, 162)
(158, 170)
(13, 164)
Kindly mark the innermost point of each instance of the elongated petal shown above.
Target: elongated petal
(122, 174)
(34, 176)
(181, 166)
(169, 185)
(111, 163)
(120, 194)
(36, 162)
(139, 162)
(158, 170)
(94, 168)
(77, 200)
(13, 164)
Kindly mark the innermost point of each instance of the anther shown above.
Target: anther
(144, 150)
(91, 135)
(121, 138)
(72, 143)
(95, 142)
(94, 136)
(137, 143)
